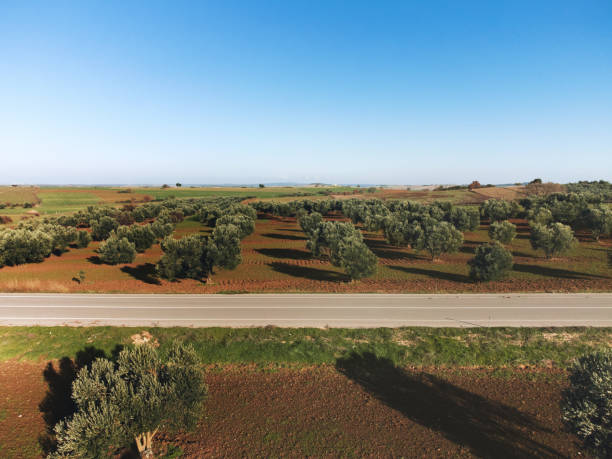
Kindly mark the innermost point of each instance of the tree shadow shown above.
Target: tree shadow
(146, 273)
(306, 272)
(555, 272)
(433, 273)
(57, 404)
(488, 428)
(95, 260)
(284, 236)
(382, 249)
(292, 254)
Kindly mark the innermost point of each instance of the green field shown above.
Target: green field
(270, 192)
(54, 202)
(490, 347)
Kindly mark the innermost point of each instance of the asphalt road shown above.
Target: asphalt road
(305, 310)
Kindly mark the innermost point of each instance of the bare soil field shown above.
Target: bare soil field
(275, 259)
(507, 193)
(362, 407)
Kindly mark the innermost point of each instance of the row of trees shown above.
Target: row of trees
(33, 242)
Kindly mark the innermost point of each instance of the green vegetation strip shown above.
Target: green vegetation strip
(488, 347)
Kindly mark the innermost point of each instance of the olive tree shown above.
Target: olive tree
(245, 224)
(503, 232)
(587, 403)
(102, 228)
(599, 221)
(309, 222)
(496, 210)
(554, 239)
(21, 246)
(439, 238)
(357, 259)
(115, 250)
(142, 236)
(83, 239)
(130, 401)
(195, 256)
(491, 262)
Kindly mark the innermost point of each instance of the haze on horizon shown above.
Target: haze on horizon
(309, 91)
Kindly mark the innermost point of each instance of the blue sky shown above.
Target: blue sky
(271, 91)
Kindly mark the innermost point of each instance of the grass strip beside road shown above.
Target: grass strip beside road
(412, 346)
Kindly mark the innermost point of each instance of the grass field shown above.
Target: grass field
(409, 392)
(239, 192)
(415, 347)
(18, 195)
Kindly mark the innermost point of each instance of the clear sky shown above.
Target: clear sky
(400, 92)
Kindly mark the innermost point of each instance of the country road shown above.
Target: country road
(305, 310)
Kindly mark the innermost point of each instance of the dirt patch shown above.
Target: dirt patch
(365, 407)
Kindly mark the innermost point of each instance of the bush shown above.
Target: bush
(5, 219)
(491, 262)
(587, 404)
(118, 404)
(115, 250)
(554, 239)
(503, 232)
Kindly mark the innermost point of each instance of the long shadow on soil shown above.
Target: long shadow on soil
(555, 272)
(488, 428)
(384, 250)
(305, 272)
(95, 260)
(289, 237)
(433, 273)
(292, 254)
(58, 404)
(145, 273)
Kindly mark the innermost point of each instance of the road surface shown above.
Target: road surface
(306, 310)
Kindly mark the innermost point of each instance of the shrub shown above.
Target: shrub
(115, 250)
(5, 219)
(491, 262)
(503, 232)
(587, 404)
(127, 402)
(554, 239)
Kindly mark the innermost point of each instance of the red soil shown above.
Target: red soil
(367, 408)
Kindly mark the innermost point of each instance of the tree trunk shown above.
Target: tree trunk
(144, 444)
